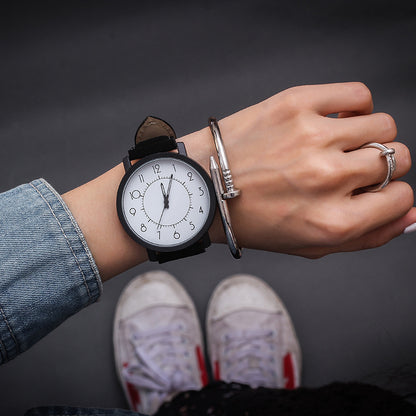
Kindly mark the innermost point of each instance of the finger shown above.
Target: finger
(346, 114)
(335, 98)
(381, 235)
(372, 210)
(372, 239)
(351, 133)
(367, 167)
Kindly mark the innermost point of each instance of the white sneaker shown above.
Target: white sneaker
(250, 335)
(157, 341)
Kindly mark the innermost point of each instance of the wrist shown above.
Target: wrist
(200, 146)
(93, 205)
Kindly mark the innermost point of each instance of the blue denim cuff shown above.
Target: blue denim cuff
(47, 272)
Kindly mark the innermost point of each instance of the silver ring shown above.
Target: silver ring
(388, 153)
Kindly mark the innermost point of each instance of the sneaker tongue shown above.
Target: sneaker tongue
(253, 362)
(152, 317)
(242, 320)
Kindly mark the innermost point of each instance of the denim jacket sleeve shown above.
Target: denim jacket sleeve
(47, 272)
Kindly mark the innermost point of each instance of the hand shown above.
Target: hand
(299, 170)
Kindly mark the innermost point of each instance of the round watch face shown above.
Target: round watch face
(166, 202)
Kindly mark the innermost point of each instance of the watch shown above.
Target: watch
(166, 201)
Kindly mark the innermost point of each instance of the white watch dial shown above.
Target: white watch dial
(166, 202)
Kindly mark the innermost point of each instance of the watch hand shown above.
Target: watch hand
(168, 193)
(170, 184)
(165, 197)
(161, 215)
(163, 190)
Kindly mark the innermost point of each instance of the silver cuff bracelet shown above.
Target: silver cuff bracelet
(230, 192)
(219, 177)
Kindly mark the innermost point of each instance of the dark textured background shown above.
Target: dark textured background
(76, 79)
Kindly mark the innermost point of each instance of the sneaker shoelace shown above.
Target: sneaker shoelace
(249, 357)
(163, 362)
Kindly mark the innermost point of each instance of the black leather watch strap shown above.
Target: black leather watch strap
(153, 135)
(155, 145)
(197, 248)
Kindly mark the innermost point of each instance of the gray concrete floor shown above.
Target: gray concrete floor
(76, 79)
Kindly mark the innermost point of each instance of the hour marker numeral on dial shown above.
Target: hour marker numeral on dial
(156, 169)
(135, 194)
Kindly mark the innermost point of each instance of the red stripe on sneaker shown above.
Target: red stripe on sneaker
(217, 372)
(133, 393)
(201, 363)
(289, 371)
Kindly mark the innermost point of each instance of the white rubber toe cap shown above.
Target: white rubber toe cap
(242, 292)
